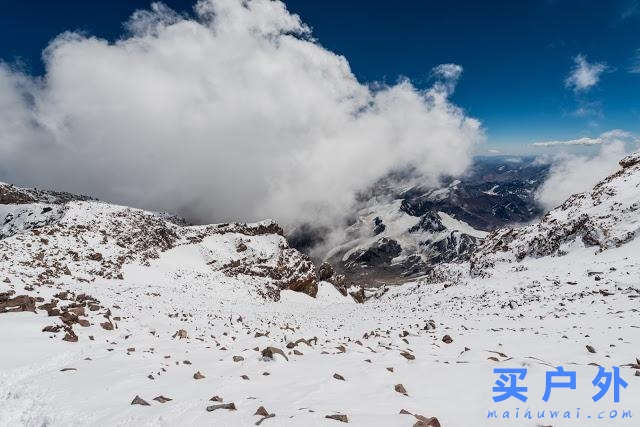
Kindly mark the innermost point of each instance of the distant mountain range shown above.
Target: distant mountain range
(402, 227)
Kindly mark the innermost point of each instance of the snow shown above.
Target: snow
(453, 224)
(492, 191)
(538, 313)
(442, 381)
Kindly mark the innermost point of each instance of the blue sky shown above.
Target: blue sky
(516, 55)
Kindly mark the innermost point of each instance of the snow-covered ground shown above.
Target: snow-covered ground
(549, 324)
(186, 313)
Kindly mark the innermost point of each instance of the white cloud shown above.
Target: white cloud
(571, 174)
(448, 71)
(235, 113)
(584, 75)
(615, 135)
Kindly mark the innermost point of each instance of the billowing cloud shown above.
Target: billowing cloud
(232, 113)
(615, 135)
(584, 75)
(572, 174)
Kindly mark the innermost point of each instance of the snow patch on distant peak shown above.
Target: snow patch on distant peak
(453, 224)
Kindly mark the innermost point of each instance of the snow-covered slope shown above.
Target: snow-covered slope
(606, 217)
(385, 244)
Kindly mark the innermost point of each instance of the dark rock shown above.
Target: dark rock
(230, 406)
(139, 401)
(325, 272)
(338, 417)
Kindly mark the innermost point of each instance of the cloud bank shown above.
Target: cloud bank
(584, 75)
(234, 113)
(614, 135)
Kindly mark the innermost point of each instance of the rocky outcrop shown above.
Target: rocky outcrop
(58, 235)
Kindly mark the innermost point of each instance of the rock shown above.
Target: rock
(241, 247)
(67, 369)
(338, 417)
(162, 399)
(400, 389)
(390, 369)
(447, 339)
(19, 303)
(338, 377)
(70, 337)
(407, 355)
(590, 349)
(180, 334)
(230, 406)
(341, 349)
(264, 418)
(270, 351)
(198, 376)
(325, 272)
(358, 295)
(139, 401)
(107, 325)
(261, 411)
(426, 422)
(244, 377)
(78, 311)
(216, 399)
(97, 256)
(238, 358)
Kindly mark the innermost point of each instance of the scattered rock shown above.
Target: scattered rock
(270, 351)
(590, 349)
(230, 406)
(198, 376)
(338, 377)
(400, 389)
(139, 401)
(261, 411)
(162, 399)
(407, 355)
(180, 334)
(426, 422)
(238, 358)
(325, 272)
(338, 417)
(447, 339)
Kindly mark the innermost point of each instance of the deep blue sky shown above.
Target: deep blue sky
(516, 54)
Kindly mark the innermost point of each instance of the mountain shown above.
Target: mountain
(604, 217)
(404, 227)
(60, 236)
(117, 316)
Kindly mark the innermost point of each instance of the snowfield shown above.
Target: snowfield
(201, 313)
